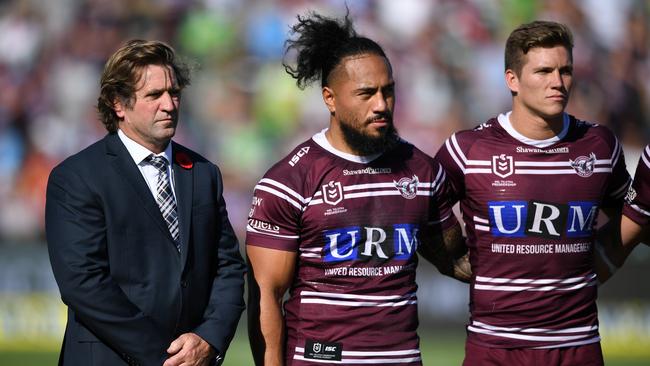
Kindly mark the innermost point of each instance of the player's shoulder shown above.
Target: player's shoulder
(594, 131)
(485, 130)
(296, 165)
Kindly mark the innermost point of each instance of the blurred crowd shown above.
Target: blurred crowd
(244, 112)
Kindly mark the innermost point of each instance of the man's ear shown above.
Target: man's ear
(512, 81)
(118, 107)
(328, 98)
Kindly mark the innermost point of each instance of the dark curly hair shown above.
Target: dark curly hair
(321, 45)
(123, 71)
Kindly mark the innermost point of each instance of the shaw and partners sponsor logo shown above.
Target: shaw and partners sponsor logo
(264, 226)
(367, 171)
(555, 150)
(519, 219)
(299, 154)
(364, 243)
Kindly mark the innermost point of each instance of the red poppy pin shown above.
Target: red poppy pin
(183, 160)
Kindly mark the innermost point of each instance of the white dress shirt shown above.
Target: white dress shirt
(150, 173)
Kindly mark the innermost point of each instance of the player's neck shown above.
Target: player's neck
(335, 137)
(535, 126)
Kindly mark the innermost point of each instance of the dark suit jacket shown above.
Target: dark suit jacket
(129, 293)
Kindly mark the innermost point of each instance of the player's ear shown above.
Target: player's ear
(328, 98)
(512, 81)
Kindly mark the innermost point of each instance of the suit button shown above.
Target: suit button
(183, 283)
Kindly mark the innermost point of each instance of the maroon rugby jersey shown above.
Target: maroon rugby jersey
(354, 222)
(529, 208)
(637, 205)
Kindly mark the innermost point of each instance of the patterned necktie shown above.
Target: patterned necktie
(165, 197)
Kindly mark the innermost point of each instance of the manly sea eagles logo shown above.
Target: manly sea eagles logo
(332, 193)
(408, 187)
(583, 165)
(503, 165)
(631, 195)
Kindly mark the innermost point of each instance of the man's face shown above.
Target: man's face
(545, 81)
(364, 102)
(151, 120)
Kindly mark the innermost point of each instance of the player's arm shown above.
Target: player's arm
(270, 274)
(611, 249)
(446, 249)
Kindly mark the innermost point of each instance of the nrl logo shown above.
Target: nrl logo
(332, 193)
(317, 347)
(583, 165)
(503, 165)
(408, 187)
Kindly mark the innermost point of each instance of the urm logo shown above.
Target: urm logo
(365, 243)
(534, 218)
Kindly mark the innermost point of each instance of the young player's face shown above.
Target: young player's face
(151, 120)
(365, 99)
(544, 85)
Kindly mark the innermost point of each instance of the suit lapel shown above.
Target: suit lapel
(123, 164)
(183, 183)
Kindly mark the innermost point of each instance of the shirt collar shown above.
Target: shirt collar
(138, 152)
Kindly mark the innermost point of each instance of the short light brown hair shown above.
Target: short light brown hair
(539, 33)
(123, 71)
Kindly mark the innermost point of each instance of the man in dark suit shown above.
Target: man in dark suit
(137, 229)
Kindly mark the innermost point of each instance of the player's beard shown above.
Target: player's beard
(364, 144)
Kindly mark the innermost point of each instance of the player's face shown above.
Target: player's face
(151, 120)
(364, 102)
(543, 87)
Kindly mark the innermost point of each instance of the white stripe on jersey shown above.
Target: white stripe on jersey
(392, 192)
(507, 284)
(534, 334)
(279, 195)
(640, 210)
(253, 230)
(370, 186)
(622, 191)
(284, 188)
(312, 297)
(362, 361)
(366, 357)
(572, 344)
(373, 353)
(644, 156)
(481, 220)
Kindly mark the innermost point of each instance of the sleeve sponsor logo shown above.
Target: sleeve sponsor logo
(296, 157)
(584, 165)
(256, 202)
(519, 219)
(408, 187)
(264, 226)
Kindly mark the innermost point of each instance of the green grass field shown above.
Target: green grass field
(443, 350)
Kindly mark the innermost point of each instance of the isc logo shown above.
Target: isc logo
(363, 243)
(550, 220)
(296, 157)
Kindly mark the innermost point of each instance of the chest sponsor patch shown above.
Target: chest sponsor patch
(317, 350)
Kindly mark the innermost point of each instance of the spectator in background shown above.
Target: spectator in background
(137, 229)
